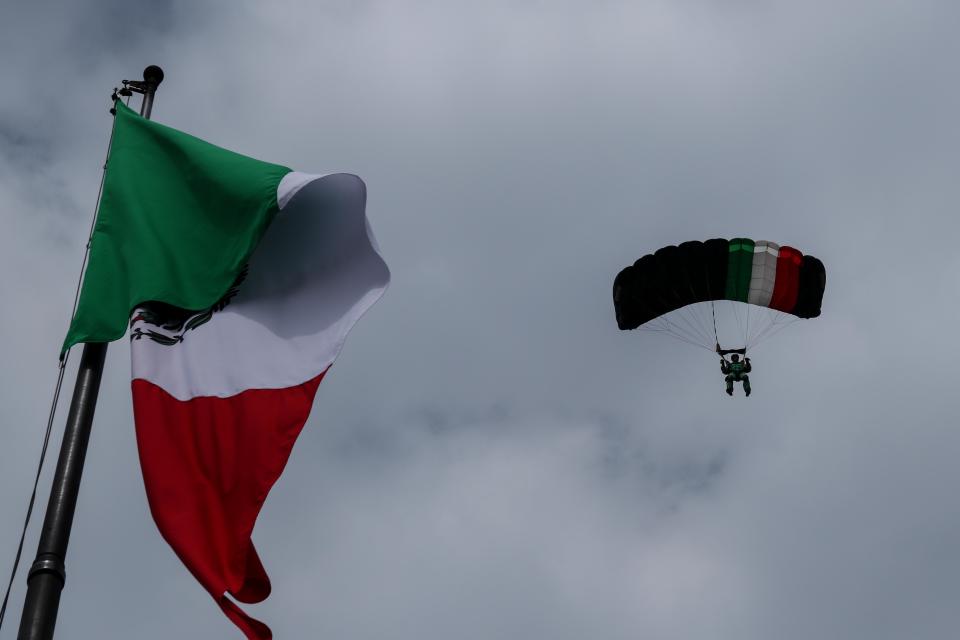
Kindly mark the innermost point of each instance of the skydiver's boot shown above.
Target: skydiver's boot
(746, 386)
(729, 387)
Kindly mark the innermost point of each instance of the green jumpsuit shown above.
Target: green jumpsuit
(736, 372)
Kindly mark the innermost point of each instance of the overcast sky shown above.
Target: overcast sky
(490, 457)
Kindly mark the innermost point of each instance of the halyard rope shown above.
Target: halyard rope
(56, 393)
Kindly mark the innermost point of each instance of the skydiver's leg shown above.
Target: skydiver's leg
(746, 384)
(729, 380)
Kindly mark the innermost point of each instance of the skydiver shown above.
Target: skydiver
(736, 371)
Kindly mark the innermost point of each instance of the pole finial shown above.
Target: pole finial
(153, 75)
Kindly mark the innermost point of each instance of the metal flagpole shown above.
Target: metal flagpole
(47, 575)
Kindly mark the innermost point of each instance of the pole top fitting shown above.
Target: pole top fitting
(153, 75)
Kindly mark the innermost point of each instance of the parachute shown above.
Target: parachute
(719, 291)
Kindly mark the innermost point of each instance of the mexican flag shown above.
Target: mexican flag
(238, 281)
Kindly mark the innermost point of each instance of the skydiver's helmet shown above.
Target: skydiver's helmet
(735, 357)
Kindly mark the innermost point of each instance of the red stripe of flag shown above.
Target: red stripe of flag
(208, 464)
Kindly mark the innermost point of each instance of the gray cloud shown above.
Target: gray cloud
(491, 457)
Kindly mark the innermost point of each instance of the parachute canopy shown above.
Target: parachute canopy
(780, 279)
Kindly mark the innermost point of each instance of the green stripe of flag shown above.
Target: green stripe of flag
(178, 220)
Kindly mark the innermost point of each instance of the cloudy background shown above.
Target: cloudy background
(491, 458)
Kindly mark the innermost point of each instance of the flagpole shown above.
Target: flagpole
(47, 574)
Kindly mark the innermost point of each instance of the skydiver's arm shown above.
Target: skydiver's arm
(747, 366)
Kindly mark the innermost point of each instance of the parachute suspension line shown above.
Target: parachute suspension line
(700, 313)
(713, 310)
(653, 325)
(695, 323)
(685, 331)
(746, 331)
(676, 329)
(661, 325)
(668, 326)
(774, 328)
(736, 314)
(765, 321)
(692, 325)
(681, 331)
(775, 322)
(762, 319)
(678, 317)
(679, 337)
(696, 316)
